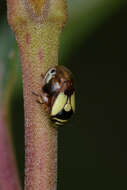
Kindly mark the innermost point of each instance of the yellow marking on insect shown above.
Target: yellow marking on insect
(73, 101)
(67, 107)
(61, 120)
(59, 104)
(57, 123)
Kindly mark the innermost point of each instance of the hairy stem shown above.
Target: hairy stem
(37, 26)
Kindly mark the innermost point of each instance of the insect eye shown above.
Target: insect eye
(53, 71)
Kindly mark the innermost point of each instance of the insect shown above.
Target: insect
(58, 94)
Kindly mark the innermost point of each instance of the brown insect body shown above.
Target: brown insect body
(57, 93)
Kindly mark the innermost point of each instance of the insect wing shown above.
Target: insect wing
(73, 101)
(59, 104)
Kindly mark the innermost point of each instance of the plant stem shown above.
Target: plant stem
(38, 41)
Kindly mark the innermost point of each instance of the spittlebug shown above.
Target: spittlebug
(58, 94)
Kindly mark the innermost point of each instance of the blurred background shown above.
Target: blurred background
(93, 145)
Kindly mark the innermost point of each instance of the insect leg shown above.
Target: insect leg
(35, 94)
(39, 100)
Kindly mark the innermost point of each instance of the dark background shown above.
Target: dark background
(93, 145)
